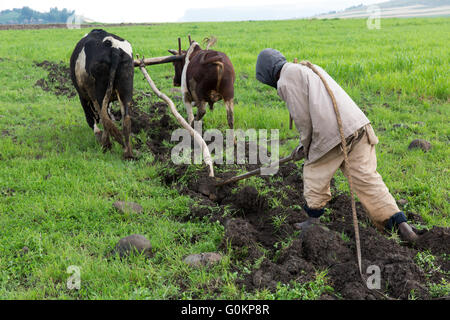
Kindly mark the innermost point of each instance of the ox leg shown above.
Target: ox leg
(201, 110)
(105, 140)
(109, 126)
(98, 133)
(190, 113)
(104, 120)
(91, 117)
(188, 104)
(111, 116)
(88, 112)
(230, 117)
(229, 104)
(102, 136)
(126, 126)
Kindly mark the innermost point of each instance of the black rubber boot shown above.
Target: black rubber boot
(399, 223)
(313, 218)
(407, 233)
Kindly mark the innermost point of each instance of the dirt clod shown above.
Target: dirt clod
(202, 259)
(126, 207)
(324, 248)
(421, 144)
(437, 240)
(133, 243)
(58, 80)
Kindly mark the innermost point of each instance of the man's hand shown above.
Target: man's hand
(298, 153)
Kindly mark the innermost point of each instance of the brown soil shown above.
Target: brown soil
(58, 80)
(259, 226)
(248, 216)
(250, 231)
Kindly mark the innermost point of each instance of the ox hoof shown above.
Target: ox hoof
(131, 156)
(106, 146)
(98, 136)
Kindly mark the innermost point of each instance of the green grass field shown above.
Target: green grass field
(57, 186)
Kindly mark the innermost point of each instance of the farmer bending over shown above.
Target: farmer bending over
(312, 110)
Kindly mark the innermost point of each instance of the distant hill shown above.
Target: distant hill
(396, 9)
(27, 15)
(269, 12)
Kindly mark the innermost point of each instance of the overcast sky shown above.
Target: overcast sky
(165, 10)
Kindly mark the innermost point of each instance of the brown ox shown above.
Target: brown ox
(205, 76)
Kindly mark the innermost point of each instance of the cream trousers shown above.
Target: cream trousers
(367, 182)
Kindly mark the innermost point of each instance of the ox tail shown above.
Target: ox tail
(115, 59)
(220, 67)
(109, 125)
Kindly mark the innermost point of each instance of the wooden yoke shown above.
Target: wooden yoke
(158, 60)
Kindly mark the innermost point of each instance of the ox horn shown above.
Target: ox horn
(190, 41)
(179, 46)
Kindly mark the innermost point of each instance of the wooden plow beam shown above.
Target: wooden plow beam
(142, 63)
(158, 60)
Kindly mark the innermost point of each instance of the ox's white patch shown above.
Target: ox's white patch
(110, 112)
(80, 67)
(96, 129)
(124, 45)
(184, 84)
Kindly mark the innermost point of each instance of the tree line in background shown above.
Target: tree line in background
(26, 15)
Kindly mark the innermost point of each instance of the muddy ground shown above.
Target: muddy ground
(255, 234)
(58, 80)
(258, 219)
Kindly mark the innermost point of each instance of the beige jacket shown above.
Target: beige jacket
(312, 110)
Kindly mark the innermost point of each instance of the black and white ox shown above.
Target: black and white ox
(205, 76)
(102, 71)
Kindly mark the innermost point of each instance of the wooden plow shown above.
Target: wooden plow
(142, 63)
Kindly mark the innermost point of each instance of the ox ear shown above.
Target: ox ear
(172, 51)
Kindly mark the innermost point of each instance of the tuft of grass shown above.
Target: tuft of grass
(278, 221)
(426, 261)
(311, 290)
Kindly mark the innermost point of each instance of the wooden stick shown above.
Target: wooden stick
(158, 60)
(197, 137)
(253, 172)
(346, 162)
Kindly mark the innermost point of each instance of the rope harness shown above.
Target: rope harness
(346, 162)
(348, 168)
